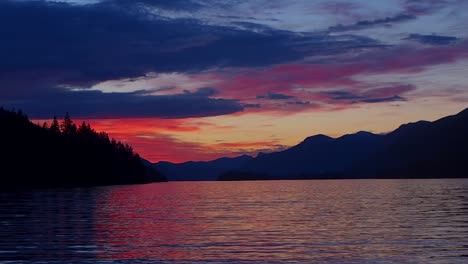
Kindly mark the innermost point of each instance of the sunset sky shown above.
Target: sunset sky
(200, 79)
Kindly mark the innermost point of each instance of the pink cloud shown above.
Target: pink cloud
(305, 81)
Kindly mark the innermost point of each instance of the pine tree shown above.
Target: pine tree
(54, 127)
(67, 126)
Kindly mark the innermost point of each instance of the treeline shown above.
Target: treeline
(63, 154)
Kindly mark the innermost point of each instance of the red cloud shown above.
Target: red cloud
(143, 125)
(160, 147)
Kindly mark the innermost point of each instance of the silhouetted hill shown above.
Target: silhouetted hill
(64, 155)
(200, 170)
(416, 150)
(423, 149)
(317, 155)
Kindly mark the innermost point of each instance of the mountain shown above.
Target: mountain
(423, 149)
(64, 155)
(416, 150)
(316, 155)
(200, 170)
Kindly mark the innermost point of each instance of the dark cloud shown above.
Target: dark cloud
(432, 39)
(425, 7)
(205, 91)
(373, 96)
(96, 104)
(251, 105)
(164, 89)
(299, 103)
(275, 96)
(364, 24)
(163, 4)
(51, 45)
(251, 26)
(117, 39)
(343, 95)
(383, 99)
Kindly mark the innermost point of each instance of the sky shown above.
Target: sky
(201, 79)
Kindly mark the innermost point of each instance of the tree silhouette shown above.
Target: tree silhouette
(67, 126)
(54, 127)
(79, 156)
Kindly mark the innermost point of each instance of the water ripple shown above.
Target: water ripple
(334, 221)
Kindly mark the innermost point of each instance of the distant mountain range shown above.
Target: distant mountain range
(415, 150)
(200, 170)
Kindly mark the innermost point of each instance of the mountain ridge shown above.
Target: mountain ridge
(403, 152)
(414, 150)
(199, 170)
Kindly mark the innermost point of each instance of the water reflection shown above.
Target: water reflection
(47, 225)
(355, 221)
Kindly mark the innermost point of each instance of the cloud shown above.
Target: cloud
(375, 95)
(339, 8)
(175, 5)
(274, 96)
(364, 24)
(204, 91)
(164, 147)
(142, 126)
(356, 98)
(342, 95)
(251, 105)
(96, 104)
(349, 74)
(384, 99)
(51, 46)
(432, 39)
(119, 39)
(299, 103)
(160, 139)
(344, 72)
(425, 7)
(154, 139)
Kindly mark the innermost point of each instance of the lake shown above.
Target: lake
(322, 221)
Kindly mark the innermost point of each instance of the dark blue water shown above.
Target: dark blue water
(336, 221)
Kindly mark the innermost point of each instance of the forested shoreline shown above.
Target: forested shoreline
(63, 154)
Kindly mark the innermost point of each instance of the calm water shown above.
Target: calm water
(342, 221)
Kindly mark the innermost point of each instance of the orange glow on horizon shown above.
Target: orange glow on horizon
(203, 139)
